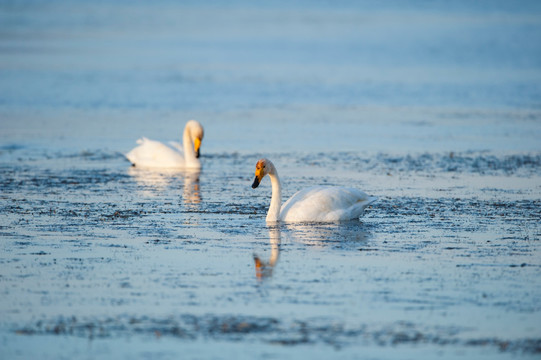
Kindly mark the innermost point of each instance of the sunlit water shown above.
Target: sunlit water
(434, 110)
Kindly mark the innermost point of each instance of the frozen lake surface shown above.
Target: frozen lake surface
(434, 109)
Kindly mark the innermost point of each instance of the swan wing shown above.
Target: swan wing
(151, 153)
(325, 203)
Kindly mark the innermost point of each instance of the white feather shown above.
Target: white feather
(154, 154)
(313, 204)
(325, 204)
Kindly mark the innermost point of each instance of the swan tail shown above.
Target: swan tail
(141, 153)
(370, 200)
(363, 204)
(131, 157)
(355, 211)
(141, 141)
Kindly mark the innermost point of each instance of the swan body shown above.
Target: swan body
(154, 154)
(313, 204)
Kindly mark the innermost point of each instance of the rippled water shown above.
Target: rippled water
(435, 110)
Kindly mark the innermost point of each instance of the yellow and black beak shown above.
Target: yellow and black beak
(196, 146)
(258, 177)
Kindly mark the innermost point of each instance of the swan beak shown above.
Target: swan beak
(257, 179)
(258, 267)
(196, 146)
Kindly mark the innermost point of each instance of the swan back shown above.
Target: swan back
(152, 153)
(325, 204)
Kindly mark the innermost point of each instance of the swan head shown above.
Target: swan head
(262, 168)
(196, 135)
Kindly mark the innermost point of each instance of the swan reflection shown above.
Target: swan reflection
(153, 183)
(263, 269)
(191, 190)
(340, 234)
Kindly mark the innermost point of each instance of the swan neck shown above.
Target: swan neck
(276, 200)
(189, 153)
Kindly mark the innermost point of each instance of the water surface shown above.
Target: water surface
(435, 109)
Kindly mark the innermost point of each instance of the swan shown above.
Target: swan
(154, 154)
(313, 204)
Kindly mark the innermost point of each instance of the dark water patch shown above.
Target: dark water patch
(10, 148)
(223, 156)
(159, 242)
(124, 214)
(64, 180)
(461, 228)
(484, 164)
(521, 265)
(273, 331)
(448, 211)
(470, 163)
(39, 253)
(229, 208)
(22, 243)
(115, 246)
(91, 155)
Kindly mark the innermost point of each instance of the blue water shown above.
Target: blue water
(224, 56)
(433, 107)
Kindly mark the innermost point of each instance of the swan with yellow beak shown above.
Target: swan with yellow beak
(154, 154)
(313, 204)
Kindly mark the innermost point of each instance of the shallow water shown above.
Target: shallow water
(434, 110)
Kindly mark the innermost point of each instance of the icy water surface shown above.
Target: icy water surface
(435, 110)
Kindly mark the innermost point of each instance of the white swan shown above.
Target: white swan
(318, 203)
(154, 154)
